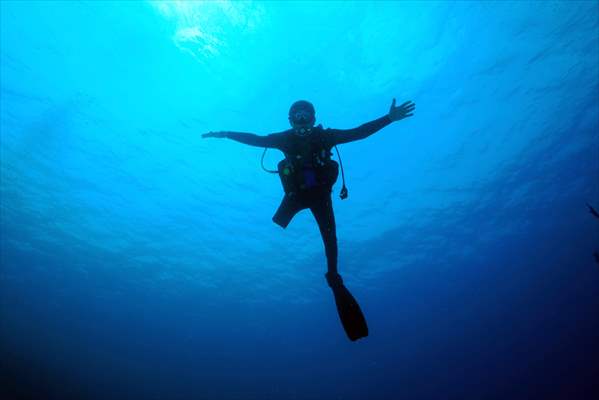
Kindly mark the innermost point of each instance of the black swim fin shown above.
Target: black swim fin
(350, 314)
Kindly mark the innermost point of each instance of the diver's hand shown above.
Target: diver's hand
(219, 134)
(401, 112)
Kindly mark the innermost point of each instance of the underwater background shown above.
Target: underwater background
(139, 261)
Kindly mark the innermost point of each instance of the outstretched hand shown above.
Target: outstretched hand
(401, 112)
(219, 134)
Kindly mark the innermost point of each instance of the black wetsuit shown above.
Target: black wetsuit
(318, 197)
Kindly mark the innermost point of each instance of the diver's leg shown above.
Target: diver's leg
(290, 205)
(322, 209)
(350, 313)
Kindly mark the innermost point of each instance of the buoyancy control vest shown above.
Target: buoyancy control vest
(308, 164)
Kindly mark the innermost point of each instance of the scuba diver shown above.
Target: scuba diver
(595, 214)
(308, 173)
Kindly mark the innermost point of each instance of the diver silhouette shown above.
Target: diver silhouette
(593, 211)
(595, 214)
(307, 174)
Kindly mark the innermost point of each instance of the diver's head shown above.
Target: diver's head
(302, 116)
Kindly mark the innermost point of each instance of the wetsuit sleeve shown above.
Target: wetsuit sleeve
(270, 141)
(339, 136)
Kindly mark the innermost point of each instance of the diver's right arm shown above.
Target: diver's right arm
(246, 138)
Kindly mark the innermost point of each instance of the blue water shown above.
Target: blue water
(139, 261)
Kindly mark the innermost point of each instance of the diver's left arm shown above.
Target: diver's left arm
(340, 136)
